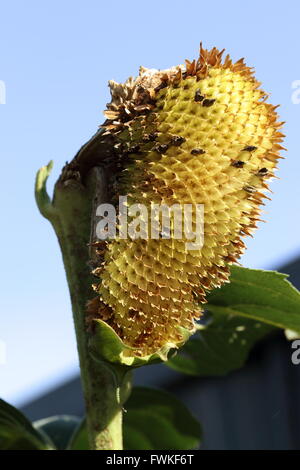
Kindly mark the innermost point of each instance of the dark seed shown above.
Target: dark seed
(250, 189)
(198, 96)
(197, 152)
(162, 148)
(207, 103)
(177, 140)
(249, 148)
(238, 164)
(263, 172)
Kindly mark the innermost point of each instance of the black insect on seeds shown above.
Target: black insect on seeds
(177, 140)
(249, 148)
(238, 163)
(197, 152)
(198, 97)
(263, 172)
(162, 148)
(208, 102)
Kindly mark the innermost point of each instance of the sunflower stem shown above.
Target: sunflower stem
(105, 387)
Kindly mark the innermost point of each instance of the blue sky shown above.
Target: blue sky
(56, 58)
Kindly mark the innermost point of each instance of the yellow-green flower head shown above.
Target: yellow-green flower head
(195, 134)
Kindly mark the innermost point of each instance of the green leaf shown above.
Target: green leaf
(156, 420)
(265, 296)
(79, 439)
(58, 428)
(243, 311)
(17, 433)
(152, 420)
(220, 347)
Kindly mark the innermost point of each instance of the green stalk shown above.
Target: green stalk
(105, 387)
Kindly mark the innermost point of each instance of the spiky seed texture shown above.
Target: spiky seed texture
(195, 134)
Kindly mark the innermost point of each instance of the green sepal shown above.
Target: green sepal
(42, 198)
(107, 346)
